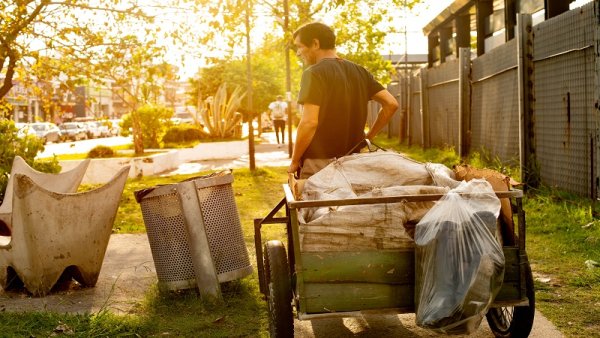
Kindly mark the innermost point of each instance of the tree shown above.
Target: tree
(138, 74)
(30, 29)
(360, 26)
(267, 75)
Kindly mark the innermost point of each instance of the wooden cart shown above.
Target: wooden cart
(342, 284)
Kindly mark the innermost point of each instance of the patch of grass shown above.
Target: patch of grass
(46, 324)
(242, 314)
(562, 235)
(256, 193)
(446, 156)
(180, 145)
(124, 154)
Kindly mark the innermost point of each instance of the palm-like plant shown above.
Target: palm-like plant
(220, 112)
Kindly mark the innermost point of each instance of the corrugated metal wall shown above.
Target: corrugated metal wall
(564, 87)
(394, 125)
(442, 87)
(494, 103)
(566, 92)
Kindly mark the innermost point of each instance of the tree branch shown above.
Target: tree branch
(10, 71)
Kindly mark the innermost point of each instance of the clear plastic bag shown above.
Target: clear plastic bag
(459, 263)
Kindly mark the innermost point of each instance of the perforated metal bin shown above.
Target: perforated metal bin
(169, 235)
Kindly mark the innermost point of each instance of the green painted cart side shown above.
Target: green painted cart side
(325, 284)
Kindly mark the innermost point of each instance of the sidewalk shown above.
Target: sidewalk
(267, 154)
(202, 157)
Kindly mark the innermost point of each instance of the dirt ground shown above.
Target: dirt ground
(127, 273)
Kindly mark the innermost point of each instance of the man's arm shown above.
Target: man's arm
(389, 104)
(304, 134)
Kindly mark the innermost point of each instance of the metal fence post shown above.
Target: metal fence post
(464, 101)
(425, 139)
(525, 93)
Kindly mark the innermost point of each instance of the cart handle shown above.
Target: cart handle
(292, 203)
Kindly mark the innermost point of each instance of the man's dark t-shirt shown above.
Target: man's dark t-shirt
(342, 90)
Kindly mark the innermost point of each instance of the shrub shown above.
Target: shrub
(153, 123)
(220, 113)
(182, 133)
(27, 147)
(101, 151)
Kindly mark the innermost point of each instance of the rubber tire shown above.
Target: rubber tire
(279, 296)
(517, 321)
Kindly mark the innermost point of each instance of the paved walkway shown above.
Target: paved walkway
(267, 154)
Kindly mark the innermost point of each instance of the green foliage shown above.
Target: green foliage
(360, 30)
(153, 121)
(268, 75)
(183, 133)
(562, 234)
(446, 156)
(46, 324)
(27, 147)
(220, 113)
(71, 31)
(101, 151)
(483, 159)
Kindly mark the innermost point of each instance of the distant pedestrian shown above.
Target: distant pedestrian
(278, 115)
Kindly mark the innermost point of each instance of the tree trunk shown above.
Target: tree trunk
(138, 138)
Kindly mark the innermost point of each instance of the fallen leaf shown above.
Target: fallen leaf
(64, 329)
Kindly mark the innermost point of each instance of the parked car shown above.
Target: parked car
(102, 127)
(184, 118)
(47, 131)
(115, 127)
(73, 131)
(23, 129)
(91, 129)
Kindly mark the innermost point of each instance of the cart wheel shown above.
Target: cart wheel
(279, 297)
(514, 321)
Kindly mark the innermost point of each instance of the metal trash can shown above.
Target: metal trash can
(169, 235)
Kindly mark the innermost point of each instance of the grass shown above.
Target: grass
(126, 154)
(561, 236)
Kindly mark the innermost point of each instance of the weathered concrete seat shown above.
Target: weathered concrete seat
(67, 181)
(55, 233)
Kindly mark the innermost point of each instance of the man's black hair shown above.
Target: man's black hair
(316, 30)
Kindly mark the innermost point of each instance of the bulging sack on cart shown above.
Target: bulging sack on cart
(355, 174)
(459, 263)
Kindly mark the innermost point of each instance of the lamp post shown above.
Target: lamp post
(249, 114)
(288, 81)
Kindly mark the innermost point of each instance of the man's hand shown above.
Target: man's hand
(389, 105)
(304, 135)
(293, 168)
